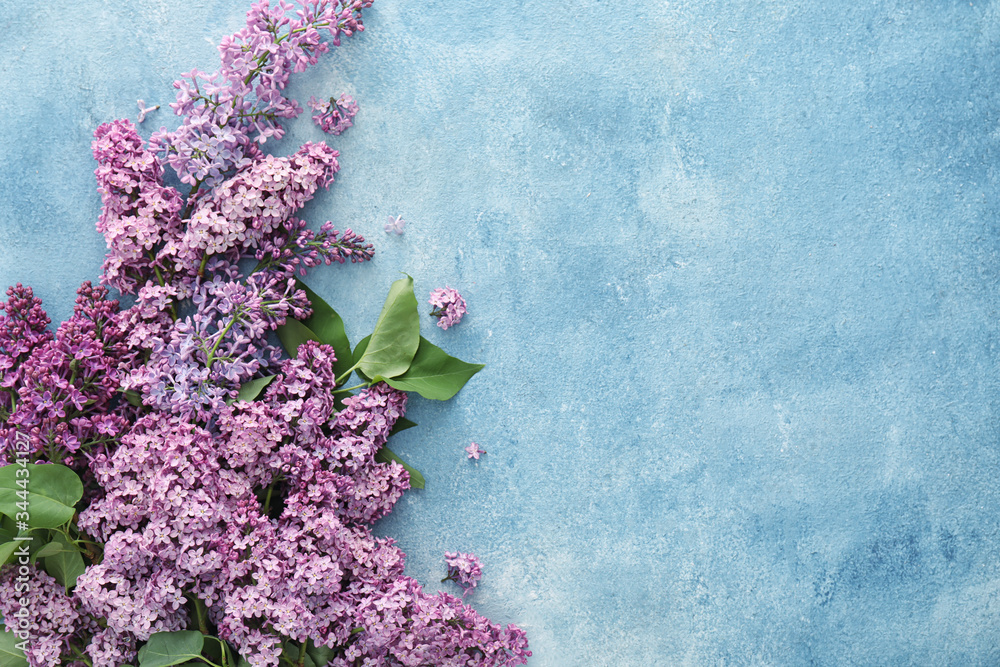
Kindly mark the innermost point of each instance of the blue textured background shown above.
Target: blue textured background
(731, 264)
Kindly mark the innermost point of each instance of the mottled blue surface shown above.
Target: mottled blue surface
(731, 264)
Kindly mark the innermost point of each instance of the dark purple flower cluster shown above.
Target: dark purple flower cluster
(247, 519)
(58, 390)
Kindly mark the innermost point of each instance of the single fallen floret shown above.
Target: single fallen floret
(474, 451)
(395, 224)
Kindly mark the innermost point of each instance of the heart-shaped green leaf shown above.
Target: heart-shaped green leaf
(171, 648)
(47, 494)
(251, 390)
(434, 373)
(385, 455)
(329, 326)
(50, 549)
(292, 334)
(396, 336)
(10, 655)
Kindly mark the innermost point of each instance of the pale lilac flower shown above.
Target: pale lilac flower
(143, 110)
(449, 306)
(395, 224)
(474, 451)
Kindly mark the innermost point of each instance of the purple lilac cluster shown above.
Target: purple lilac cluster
(449, 306)
(229, 112)
(464, 569)
(333, 116)
(46, 611)
(59, 390)
(249, 520)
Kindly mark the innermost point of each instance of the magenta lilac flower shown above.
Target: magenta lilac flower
(449, 306)
(464, 569)
(474, 451)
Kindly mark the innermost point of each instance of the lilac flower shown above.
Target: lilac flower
(253, 516)
(244, 97)
(449, 306)
(334, 116)
(395, 224)
(143, 110)
(474, 451)
(54, 617)
(138, 213)
(464, 569)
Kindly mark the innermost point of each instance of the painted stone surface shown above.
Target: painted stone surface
(731, 264)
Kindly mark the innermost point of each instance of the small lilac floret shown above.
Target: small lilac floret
(395, 224)
(474, 451)
(333, 116)
(449, 306)
(464, 569)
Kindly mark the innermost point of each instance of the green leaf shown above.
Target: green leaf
(385, 455)
(65, 565)
(292, 334)
(9, 546)
(329, 326)
(359, 352)
(50, 549)
(171, 648)
(52, 492)
(132, 397)
(290, 651)
(7, 550)
(397, 333)
(434, 373)
(321, 655)
(401, 425)
(10, 655)
(251, 390)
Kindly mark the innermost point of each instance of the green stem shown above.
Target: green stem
(302, 653)
(81, 655)
(357, 386)
(201, 269)
(267, 499)
(345, 375)
(211, 353)
(191, 194)
(199, 610)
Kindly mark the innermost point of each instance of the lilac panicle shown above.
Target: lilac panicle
(229, 112)
(138, 212)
